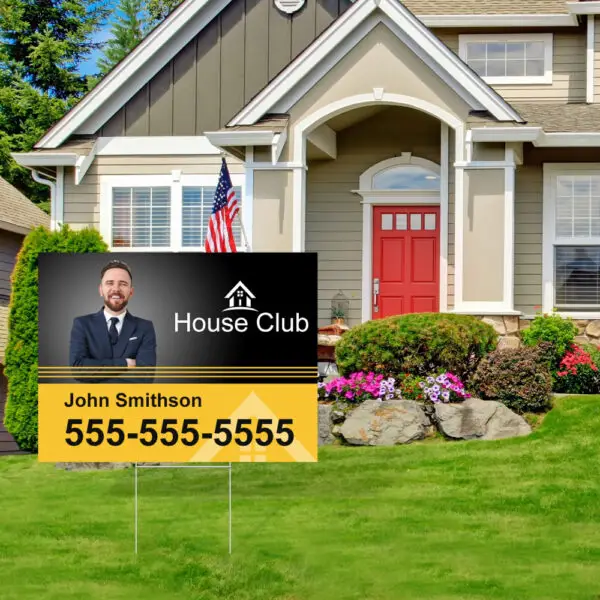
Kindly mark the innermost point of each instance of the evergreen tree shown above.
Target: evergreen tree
(159, 10)
(127, 32)
(42, 46)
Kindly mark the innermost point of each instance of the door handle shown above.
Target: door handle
(375, 293)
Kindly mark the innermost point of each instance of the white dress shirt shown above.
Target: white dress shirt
(108, 317)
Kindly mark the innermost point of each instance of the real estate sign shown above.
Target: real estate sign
(175, 357)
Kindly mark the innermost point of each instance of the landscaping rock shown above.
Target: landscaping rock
(497, 323)
(325, 434)
(479, 419)
(385, 423)
(593, 329)
(581, 340)
(509, 342)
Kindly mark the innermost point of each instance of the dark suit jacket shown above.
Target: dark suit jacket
(90, 345)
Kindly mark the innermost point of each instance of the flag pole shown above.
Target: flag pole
(247, 244)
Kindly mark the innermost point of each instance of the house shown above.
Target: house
(439, 155)
(18, 215)
(239, 297)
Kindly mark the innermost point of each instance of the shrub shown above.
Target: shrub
(556, 330)
(21, 356)
(517, 377)
(578, 373)
(357, 388)
(418, 344)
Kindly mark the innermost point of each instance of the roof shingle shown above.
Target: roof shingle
(486, 7)
(17, 209)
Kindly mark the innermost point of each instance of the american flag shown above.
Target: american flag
(219, 236)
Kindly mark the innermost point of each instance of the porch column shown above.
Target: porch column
(484, 218)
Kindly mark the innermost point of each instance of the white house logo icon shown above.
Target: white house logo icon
(240, 298)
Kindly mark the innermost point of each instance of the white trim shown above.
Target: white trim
(549, 239)
(546, 38)
(485, 308)
(279, 140)
(590, 58)
(269, 166)
(175, 181)
(397, 197)
(84, 163)
(298, 209)
(242, 138)
(135, 70)
(499, 20)
(584, 8)
(247, 211)
(59, 214)
(509, 228)
(45, 159)
(422, 38)
(444, 212)
(537, 137)
(482, 164)
(459, 193)
(367, 263)
(506, 134)
(152, 145)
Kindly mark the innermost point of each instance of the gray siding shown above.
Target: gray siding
(528, 238)
(222, 68)
(334, 212)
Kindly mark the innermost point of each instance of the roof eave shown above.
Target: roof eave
(500, 20)
(45, 159)
(583, 8)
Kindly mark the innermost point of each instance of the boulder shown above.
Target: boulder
(479, 419)
(509, 342)
(593, 329)
(385, 423)
(325, 434)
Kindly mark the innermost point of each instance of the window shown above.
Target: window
(509, 59)
(406, 177)
(572, 240)
(161, 212)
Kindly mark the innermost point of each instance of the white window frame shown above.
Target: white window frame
(549, 240)
(176, 181)
(547, 38)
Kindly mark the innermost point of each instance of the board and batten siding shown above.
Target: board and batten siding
(334, 211)
(216, 74)
(569, 69)
(82, 202)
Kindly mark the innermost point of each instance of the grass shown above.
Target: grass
(513, 519)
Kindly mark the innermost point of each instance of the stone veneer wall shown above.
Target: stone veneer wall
(509, 328)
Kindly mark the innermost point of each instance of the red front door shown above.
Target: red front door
(406, 260)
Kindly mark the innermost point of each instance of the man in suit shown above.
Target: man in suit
(113, 337)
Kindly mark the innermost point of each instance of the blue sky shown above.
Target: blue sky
(89, 67)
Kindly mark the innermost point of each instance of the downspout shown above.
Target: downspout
(52, 185)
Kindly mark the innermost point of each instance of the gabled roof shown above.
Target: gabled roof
(192, 16)
(427, 45)
(17, 212)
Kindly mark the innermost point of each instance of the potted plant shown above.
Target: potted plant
(337, 316)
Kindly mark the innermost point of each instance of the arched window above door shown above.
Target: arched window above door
(406, 177)
(405, 173)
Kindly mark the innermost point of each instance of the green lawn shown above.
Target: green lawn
(517, 519)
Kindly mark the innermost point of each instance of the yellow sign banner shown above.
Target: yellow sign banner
(200, 422)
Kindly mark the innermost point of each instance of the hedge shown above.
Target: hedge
(21, 356)
(419, 344)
